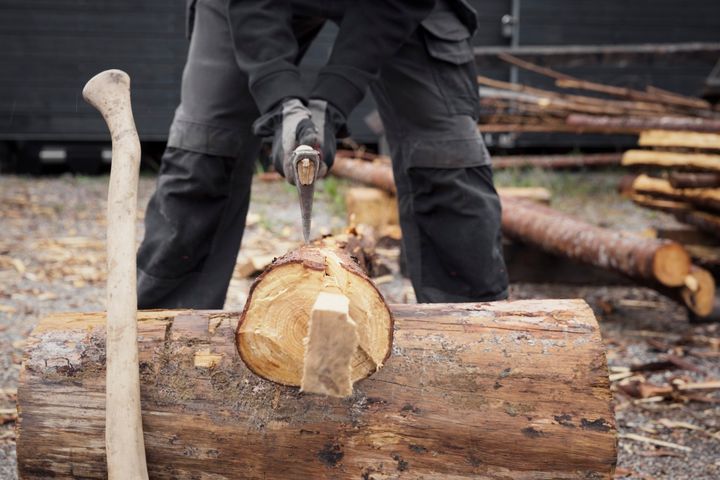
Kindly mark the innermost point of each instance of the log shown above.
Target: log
(662, 138)
(652, 158)
(694, 180)
(566, 81)
(659, 204)
(643, 259)
(705, 221)
(500, 162)
(501, 390)
(636, 124)
(371, 206)
(380, 175)
(373, 173)
(686, 236)
(274, 323)
(661, 188)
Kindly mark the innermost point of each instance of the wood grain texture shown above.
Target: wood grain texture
(495, 391)
(680, 160)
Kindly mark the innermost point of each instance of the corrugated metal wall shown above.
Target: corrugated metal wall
(49, 48)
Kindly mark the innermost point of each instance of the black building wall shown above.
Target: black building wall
(49, 48)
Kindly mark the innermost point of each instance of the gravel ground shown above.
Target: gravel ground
(52, 259)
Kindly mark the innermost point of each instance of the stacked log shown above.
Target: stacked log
(685, 183)
(608, 109)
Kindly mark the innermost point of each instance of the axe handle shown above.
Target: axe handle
(109, 92)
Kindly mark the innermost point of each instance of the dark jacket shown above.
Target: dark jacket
(371, 31)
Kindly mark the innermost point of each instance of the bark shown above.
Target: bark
(705, 221)
(635, 124)
(504, 390)
(274, 323)
(694, 180)
(643, 259)
(678, 160)
(372, 173)
(660, 188)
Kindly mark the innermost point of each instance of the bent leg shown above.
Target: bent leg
(196, 217)
(449, 209)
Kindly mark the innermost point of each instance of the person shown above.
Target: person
(241, 82)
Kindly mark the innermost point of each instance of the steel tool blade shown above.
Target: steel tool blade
(306, 163)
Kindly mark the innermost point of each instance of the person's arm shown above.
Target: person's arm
(266, 49)
(371, 32)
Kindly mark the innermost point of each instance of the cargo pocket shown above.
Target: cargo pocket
(447, 41)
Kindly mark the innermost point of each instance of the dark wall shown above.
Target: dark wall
(50, 48)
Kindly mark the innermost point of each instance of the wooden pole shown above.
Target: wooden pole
(501, 390)
(109, 92)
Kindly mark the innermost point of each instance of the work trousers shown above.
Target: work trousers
(428, 102)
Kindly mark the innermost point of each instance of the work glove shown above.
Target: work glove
(290, 124)
(330, 124)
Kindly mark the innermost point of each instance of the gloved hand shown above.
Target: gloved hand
(290, 124)
(330, 124)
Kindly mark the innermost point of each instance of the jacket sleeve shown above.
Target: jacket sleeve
(266, 49)
(371, 32)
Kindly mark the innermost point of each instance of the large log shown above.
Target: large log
(643, 259)
(502, 390)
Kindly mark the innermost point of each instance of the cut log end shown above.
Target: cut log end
(273, 326)
(331, 343)
(671, 264)
(699, 292)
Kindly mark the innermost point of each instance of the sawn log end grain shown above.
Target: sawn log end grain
(274, 322)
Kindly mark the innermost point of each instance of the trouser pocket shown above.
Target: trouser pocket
(447, 41)
(184, 213)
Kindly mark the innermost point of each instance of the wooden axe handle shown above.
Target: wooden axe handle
(109, 92)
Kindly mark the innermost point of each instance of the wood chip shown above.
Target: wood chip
(653, 441)
(7, 308)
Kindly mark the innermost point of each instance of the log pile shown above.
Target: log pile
(504, 390)
(661, 264)
(512, 107)
(680, 175)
